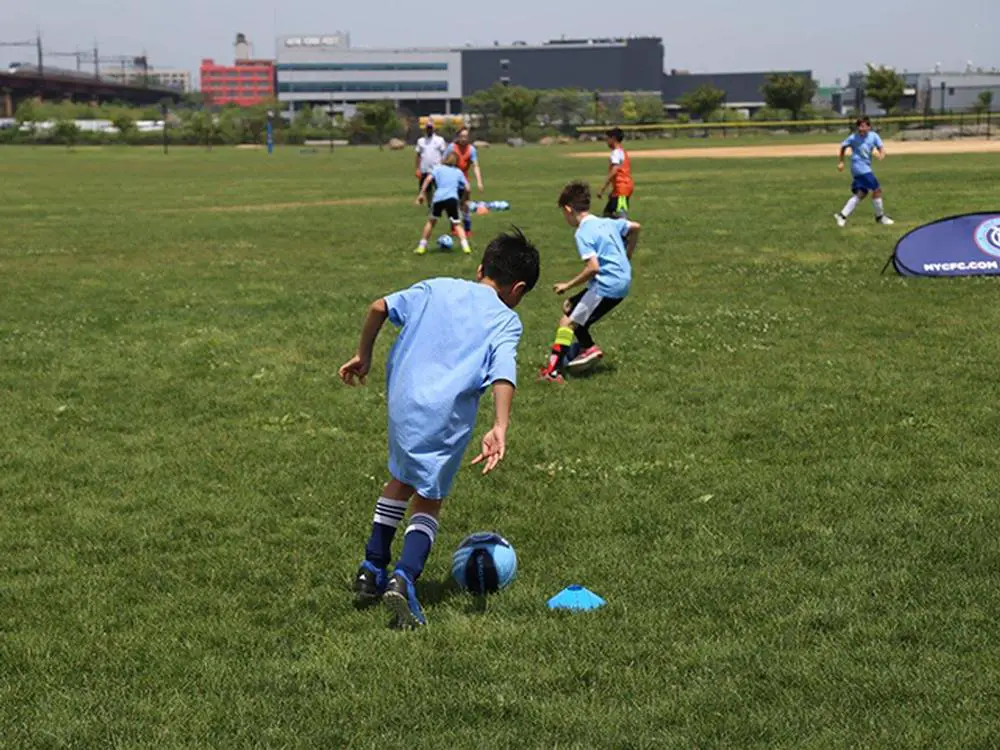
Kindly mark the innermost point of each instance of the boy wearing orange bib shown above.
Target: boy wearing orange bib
(467, 159)
(619, 177)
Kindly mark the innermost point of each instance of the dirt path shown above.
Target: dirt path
(254, 207)
(958, 146)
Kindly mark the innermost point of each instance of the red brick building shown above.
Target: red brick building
(246, 83)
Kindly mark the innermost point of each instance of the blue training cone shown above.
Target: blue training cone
(576, 598)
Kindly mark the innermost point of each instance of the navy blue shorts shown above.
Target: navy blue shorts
(865, 183)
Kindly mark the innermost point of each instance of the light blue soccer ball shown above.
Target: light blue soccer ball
(445, 242)
(484, 562)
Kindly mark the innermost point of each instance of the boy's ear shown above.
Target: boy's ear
(479, 273)
(518, 290)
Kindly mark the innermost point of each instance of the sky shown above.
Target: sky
(702, 36)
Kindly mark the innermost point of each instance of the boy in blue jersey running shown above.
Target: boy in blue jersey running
(863, 143)
(457, 338)
(606, 247)
(451, 191)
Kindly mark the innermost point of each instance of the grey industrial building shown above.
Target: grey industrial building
(937, 91)
(743, 90)
(325, 70)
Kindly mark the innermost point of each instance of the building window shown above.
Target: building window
(330, 87)
(365, 66)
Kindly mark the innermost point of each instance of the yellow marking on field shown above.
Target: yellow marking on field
(892, 148)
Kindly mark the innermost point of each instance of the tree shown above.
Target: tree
(789, 91)
(565, 108)
(649, 109)
(67, 131)
(380, 120)
(519, 107)
(202, 128)
(26, 114)
(984, 104)
(125, 125)
(885, 86)
(231, 126)
(486, 104)
(629, 110)
(703, 101)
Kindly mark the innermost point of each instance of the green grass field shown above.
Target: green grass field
(783, 478)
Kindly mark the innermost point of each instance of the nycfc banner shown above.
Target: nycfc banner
(967, 245)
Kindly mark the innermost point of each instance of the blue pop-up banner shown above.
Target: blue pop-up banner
(966, 245)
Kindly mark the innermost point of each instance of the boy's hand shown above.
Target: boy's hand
(600, 194)
(355, 367)
(840, 166)
(560, 288)
(494, 447)
(420, 199)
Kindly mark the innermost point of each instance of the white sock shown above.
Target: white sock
(849, 207)
(465, 244)
(423, 243)
(879, 209)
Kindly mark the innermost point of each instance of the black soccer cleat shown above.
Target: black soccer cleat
(369, 584)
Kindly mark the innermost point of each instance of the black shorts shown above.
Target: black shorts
(617, 207)
(588, 307)
(449, 207)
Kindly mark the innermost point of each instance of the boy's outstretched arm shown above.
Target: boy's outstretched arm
(632, 238)
(590, 270)
(423, 188)
(495, 441)
(840, 159)
(612, 173)
(359, 365)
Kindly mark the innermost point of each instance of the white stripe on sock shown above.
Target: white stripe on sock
(423, 523)
(390, 512)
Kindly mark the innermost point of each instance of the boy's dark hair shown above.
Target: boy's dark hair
(863, 119)
(617, 133)
(576, 195)
(511, 258)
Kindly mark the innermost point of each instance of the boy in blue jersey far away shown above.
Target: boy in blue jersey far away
(456, 339)
(606, 247)
(451, 191)
(863, 143)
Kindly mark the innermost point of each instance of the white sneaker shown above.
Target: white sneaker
(885, 220)
(841, 221)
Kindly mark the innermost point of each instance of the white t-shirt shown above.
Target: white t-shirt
(431, 150)
(617, 157)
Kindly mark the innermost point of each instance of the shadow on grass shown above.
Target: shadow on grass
(598, 371)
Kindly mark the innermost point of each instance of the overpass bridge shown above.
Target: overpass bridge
(18, 86)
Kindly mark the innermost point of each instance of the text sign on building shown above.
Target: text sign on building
(338, 40)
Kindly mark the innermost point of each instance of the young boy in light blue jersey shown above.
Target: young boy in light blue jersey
(863, 143)
(605, 247)
(451, 191)
(457, 338)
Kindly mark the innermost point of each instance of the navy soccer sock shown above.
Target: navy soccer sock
(417, 543)
(388, 515)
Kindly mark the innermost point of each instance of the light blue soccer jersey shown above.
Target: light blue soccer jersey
(449, 182)
(457, 338)
(603, 238)
(862, 148)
